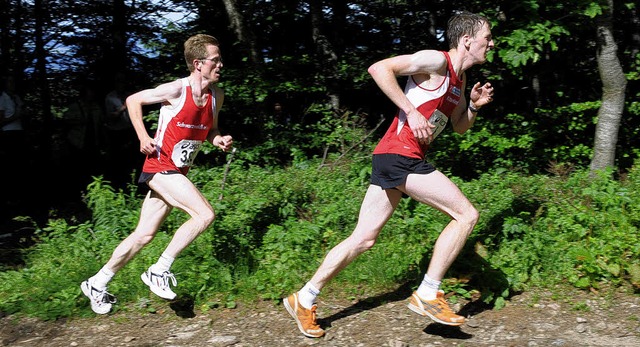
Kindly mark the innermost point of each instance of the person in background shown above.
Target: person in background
(10, 120)
(120, 142)
(13, 137)
(188, 117)
(7, 106)
(83, 121)
(117, 116)
(14, 148)
(433, 96)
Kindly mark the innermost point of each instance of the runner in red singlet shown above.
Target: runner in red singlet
(432, 97)
(188, 117)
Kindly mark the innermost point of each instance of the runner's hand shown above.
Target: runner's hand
(147, 146)
(223, 142)
(481, 94)
(422, 130)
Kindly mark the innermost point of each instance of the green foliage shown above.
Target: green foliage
(582, 232)
(524, 46)
(491, 142)
(288, 252)
(554, 136)
(629, 134)
(568, 122)
(634, 75)
(274, 225)
(330, 135)
(593, 10)
(597, 223)
(112, 210)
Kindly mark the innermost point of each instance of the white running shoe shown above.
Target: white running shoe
(159, 284)
(101, 300)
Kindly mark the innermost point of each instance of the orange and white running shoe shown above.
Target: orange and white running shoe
(437, 309)
(305, 318)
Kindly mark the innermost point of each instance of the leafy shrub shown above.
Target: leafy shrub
(274, 226)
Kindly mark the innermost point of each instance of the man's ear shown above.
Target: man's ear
(196, 64)
(466, 40)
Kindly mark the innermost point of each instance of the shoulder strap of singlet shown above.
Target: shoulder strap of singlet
(214, 102)
(452, 72)
(185, 83)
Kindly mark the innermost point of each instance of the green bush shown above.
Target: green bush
(274, 226)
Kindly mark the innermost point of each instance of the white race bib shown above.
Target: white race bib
(440, 120)
(184, 152)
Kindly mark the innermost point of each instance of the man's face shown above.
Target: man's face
(211, 64)
(481, 43)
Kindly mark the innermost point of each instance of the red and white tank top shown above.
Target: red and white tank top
(182, 129)
(436, 105)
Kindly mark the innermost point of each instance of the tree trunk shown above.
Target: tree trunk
(328, 56)
(117, 51)
(41, 79)
(19, 62)
(244, 35)
(613, 91)
(635, 35)
(5, 48)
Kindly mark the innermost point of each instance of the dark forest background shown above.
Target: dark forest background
(559, 68)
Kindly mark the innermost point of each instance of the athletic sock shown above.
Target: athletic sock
(102, 278)
(307, 295)
(428, 288)
(164, 264)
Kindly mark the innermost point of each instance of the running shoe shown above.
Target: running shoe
(436, 309)
(159, 283)
(101, 300)
(305, 318)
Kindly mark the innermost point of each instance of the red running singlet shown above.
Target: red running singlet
(440, 102)
(182, 129)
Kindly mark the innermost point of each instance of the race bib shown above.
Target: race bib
(440, 120)
(184, 152)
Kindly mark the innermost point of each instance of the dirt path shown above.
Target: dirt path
(529, 319)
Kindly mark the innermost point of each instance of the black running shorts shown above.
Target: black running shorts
(391, 170)
(145, 177)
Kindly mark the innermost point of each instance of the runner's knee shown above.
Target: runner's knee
(469, 219)
(143, 240)
(205, 218)
(363, 244)
(366, 245)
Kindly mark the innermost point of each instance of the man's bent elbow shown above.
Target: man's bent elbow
(373, 69)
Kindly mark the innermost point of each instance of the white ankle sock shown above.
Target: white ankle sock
(307, 295)
(428, 288)
(164, 264)
(102, 278)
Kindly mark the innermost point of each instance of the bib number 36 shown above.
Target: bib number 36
(184, 152)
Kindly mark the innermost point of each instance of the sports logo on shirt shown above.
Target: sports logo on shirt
(191, 126)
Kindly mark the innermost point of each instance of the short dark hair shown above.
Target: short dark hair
(463, 23)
